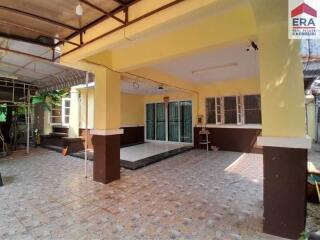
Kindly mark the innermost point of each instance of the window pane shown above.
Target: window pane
(67, 103)
(211, 114)
(252, 102)
(150, 122)
(253, 116)
(160, 122)
(67, 111)
(66, 120)
(173, 121)
(186, 121)
(230, 110)
(252, 109)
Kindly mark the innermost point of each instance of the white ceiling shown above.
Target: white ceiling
(229, 63)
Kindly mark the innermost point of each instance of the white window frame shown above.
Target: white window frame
(240, 110)
(239, 105)
(215, 109)
(221, 111)
(63, 111)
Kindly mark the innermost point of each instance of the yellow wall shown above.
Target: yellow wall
(226, 88)
(132, 110)
(133, 106)
(311, 117)
(212, 32)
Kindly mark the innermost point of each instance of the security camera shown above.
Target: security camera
(252, 47)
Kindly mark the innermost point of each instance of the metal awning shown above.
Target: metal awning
(55, 22)
(43, 74)
(32, 34)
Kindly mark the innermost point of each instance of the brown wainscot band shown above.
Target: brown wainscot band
(132, 135)
(285, 184)
(231, 138)
(106, 165)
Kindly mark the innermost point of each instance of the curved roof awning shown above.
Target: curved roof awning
(38, 72)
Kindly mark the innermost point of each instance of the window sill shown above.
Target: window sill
(243, 126)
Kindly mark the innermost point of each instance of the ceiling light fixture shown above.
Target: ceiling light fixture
(201, 70)
(135, 84)
(79, 10)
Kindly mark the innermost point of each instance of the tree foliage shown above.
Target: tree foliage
(49, 99)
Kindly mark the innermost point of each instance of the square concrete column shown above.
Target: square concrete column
(106, 133)
(283, 137)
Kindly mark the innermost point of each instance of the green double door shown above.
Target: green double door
(173, 123)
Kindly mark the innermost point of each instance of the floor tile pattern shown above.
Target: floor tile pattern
(194, 195)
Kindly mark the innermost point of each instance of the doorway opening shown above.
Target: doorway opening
(170, 122)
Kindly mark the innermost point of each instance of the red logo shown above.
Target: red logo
(303, 8)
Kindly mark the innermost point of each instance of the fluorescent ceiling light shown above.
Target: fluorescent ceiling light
(201, 70)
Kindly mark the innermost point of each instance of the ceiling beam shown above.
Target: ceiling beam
(102, 11)
(40, 18)
(148, 14)
(101, 19)
(120, 2)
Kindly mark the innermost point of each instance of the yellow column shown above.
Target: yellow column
(281, 83)
(106, 132)
(106, 99)
(283, 131)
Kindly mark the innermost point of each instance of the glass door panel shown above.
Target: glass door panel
(173, 121)
(150, 120)
(186, 121)
(160, 122)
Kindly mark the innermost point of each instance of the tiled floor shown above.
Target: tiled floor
(195, 195)
(313, 216)
(141, 151)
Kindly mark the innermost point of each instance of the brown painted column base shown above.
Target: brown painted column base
(285, 177)
(106, 166)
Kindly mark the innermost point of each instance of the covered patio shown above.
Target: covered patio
(213, 73)
(200, 195)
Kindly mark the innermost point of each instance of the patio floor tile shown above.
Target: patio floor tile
(195, 195)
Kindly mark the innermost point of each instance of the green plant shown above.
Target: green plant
(304, 236)
(49, 99)
(3, 112)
